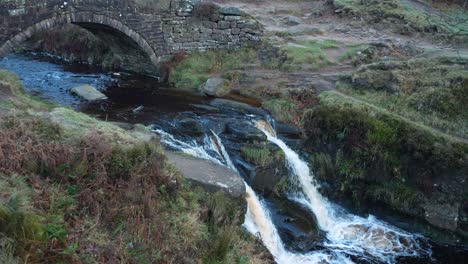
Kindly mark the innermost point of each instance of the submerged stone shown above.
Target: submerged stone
(244, 131)
(88, 93)
(190, 126)
(242, 108)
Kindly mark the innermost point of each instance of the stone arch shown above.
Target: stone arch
(80, 18)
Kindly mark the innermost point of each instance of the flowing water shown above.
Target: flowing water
(346, 232)
(333, 235)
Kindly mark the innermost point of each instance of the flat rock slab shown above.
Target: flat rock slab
(88, 93)
(212, 176)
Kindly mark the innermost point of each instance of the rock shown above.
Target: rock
(288, 131)
(305, 30)
(212, 176)
(292, 20)
(230, 11)
(216, 87)
(442, 215)
(268, 166)
(88, 93)
(245, 131)
(238, 107)
(191, 127)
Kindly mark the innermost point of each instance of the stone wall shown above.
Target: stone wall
(158, 32)
(224, 28)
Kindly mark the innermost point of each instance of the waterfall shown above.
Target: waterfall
(224, 154)
(257, 219)
(347, 233)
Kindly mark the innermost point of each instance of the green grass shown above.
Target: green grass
(194, 70)
(432, 92)
(352, 52)
(284, 110)
(261, 155)
(255, 155)
(308, 54)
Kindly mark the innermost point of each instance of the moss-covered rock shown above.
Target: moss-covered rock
(269, 166)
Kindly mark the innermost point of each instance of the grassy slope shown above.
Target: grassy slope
(77, 189)
(404, 18)
(432, 92)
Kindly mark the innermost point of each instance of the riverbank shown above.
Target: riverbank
(78, 189)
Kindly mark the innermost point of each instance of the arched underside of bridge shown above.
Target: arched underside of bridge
(92, 22)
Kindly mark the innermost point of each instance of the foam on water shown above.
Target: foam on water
(346, 233)
(257, 219)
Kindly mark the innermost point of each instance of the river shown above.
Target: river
(322, 231)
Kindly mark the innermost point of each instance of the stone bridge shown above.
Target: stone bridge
(159, 28)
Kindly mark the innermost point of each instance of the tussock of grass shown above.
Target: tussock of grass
(284, 110)
(261, 155)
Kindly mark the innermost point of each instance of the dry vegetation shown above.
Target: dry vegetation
(104, 195)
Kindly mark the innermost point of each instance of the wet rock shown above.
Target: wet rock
(88, 93)
(268, 166)
(296, 226)
(238, 107)
(191, 127)
(245, 131)
(442, 215)
(216, 87)
(213, 177)
(288, 131)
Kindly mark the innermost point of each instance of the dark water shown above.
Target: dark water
(142, 99)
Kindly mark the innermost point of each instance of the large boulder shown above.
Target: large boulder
(444, 216)
(245, 131)
(238, 107)
(212, 176)
(190, 126)
(88, 93)
(216, 87)
(267, 166)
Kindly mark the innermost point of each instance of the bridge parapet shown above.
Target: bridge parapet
(160, 32)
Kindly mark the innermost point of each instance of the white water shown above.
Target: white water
(346, 232)
(257, 219)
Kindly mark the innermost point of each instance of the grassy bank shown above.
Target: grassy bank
(429, 91)
(75, 189)
(448, 23)
(373, 156)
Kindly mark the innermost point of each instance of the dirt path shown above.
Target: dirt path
(292, 23)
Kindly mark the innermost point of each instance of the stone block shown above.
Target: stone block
(230, 11)
(224, 24)
(232, 18)
(235, 31)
